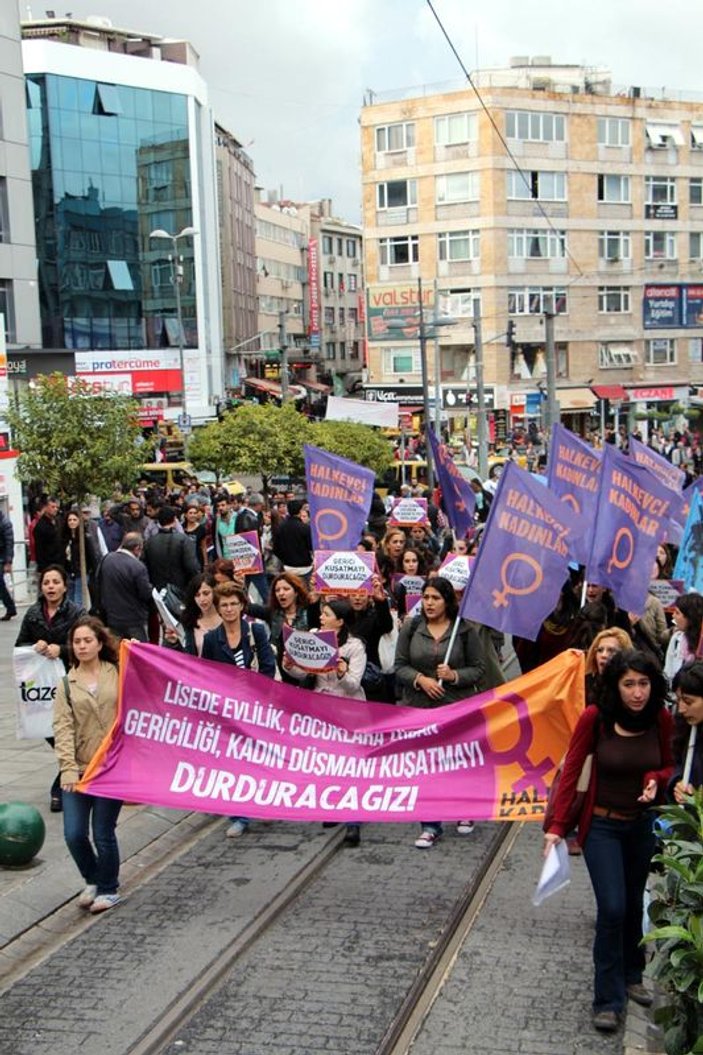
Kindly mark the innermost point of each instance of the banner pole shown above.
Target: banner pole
(452, 639)
(689, 754)
(584, 590)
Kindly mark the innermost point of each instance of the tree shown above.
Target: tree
(362, 444)
(75, 442)
(254, 439)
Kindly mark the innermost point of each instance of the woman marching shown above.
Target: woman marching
(688, 686)
(628, 735)
(84, 711)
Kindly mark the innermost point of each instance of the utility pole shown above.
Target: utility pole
(553, 409)
(283, 345)
(437, 370)
(425, 385)
(481, 423)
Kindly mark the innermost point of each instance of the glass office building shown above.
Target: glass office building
(110, 164)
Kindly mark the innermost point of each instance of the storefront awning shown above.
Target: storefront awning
(273, 388)
(576, 399)
(317, 386)
(613, 392)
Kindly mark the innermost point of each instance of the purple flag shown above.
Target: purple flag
(573, 475)
(459, 499)
(668, 474)
(523, 559)
(633, 511)
(339, 493)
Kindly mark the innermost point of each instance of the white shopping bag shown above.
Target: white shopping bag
(36, 679)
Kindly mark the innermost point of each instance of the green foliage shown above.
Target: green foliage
(74, 442)
(254, 439)
(360, 443)
(676, 911)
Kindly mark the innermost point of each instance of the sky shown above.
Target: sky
(288, 77)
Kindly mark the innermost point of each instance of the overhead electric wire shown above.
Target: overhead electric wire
(497, 130)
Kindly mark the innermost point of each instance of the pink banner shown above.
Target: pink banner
(244, 551)
(405, 512)
(198, 735)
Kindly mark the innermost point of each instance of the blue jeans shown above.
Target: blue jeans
(100, 865)
(75, 589)
(618, 855)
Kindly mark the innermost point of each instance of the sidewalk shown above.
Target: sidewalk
(27, 768)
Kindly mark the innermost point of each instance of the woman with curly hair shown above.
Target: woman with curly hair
(627, 735)
(687, 617)
(603, 647)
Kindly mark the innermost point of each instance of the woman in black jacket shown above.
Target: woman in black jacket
(45, 627)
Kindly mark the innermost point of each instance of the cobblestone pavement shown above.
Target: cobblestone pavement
(522, 982)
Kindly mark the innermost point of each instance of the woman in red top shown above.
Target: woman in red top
(629, 734)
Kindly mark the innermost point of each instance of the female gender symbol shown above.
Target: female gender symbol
(571, 501)
(500, 597)
(615, 561)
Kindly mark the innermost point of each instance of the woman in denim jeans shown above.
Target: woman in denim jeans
(628, 732)
(84, 711)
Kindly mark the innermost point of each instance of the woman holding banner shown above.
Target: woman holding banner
(241, 643)
(84, 711)
(428, 673)
(626, 738)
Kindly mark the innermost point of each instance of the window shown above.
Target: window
(354, 350)
(353, 314)
(107, 100)
(341, 314)
(535, 127)
(659, 245)
(614, 245)
(329, 350)
(351, 283)
(4, 212)
(459, 303)
(660, 351)
(663, 135)
(536, 243)
(695, 245)
(327, 245)
(547, 186)
(396, 194)
(329, 316)
(352, 248)
(456, 186)
(455, 128)
(390, 138)
(613, 132)
(401, 361)
(660, 189)
(696, 137)
(616, 356)
(536, 300)
(161, 275)
(695, 191)
(328, 280)
(402, 250)
(613, 189)
(342, 349)
(614, 299)
(458, 245)
(120, 277)
(7, 307)
(341, 284)
(340, 247)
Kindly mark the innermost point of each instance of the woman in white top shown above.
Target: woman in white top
(688, 618)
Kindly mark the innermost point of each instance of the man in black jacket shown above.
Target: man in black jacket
(7, 553)
(48, 547)
(124, 589)
(169, 556)
(292, 543)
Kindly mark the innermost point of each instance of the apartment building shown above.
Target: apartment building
(566, 195)
(309, 275)
(121, 146)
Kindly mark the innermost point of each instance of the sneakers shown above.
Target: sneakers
(640, 994)
(605, 1021)
(87, 895)
(464, 827)
(236, 829)
(105, 901)
(427, 838)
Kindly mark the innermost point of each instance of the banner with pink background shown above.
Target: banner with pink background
(198, 735)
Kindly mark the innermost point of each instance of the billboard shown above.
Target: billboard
(661, 307)
(396, 303)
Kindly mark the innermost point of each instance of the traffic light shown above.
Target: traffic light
(510, 335)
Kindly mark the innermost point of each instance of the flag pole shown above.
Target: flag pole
(688, 765)
(452, 639)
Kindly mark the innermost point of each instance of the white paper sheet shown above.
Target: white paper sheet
(556, 873)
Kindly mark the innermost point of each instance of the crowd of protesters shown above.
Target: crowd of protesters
(640, 666)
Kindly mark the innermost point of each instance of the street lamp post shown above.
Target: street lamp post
(176, 263)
